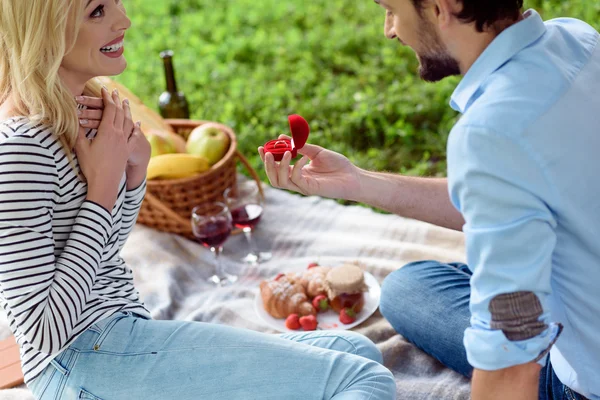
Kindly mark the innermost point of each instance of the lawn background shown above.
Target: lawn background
(250, 63)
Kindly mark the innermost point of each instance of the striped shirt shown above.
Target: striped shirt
(60, 264)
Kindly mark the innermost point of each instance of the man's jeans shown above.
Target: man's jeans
(427, 302)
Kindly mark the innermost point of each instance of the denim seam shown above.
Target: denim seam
(54, 371)
(373, 388)
(99, 351)
(107, 330)
(332, 337)
(63, 381)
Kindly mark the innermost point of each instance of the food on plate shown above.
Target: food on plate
(321, 303)
(175, 166)
(313, 280)
(295, 295)
(309, 322)
(293, 322)
(284, 296)
(345, 287)
(347, 316)
(209, 140)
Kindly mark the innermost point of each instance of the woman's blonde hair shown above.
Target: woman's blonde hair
(35, 35)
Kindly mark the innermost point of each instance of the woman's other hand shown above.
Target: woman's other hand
(91, 116)
(103, 160)
(138, 146)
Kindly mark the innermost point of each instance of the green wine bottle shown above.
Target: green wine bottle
(172, 103)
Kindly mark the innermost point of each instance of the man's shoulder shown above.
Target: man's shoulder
(533, 84)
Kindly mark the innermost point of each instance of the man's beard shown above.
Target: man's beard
(436, 62)
(434, 68)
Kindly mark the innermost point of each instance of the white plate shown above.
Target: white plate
(328, 320)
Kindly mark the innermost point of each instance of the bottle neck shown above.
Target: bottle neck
(170, 75)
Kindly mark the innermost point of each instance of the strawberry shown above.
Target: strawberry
(347, 316)
(292, 322)
(320, 303)
(279, 276)
(312, 265)
(309, 322)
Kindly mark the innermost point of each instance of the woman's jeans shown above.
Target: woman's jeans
(128, 357)
(427, 302)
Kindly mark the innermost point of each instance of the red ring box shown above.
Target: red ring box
(300, 130)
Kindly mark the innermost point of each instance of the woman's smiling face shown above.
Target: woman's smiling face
(98, 49)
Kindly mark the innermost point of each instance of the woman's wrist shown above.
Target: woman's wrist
(135, 175)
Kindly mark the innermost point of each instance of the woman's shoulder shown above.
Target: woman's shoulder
(25, 130)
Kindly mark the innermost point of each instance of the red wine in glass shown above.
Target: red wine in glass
(213, 233)
(211, 228)
(246, 216)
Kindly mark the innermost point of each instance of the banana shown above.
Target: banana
(176, 165)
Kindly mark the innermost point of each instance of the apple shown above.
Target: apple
(160, 143)
(209, 141)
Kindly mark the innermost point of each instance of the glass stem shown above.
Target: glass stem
(218, 266)
(248, 234)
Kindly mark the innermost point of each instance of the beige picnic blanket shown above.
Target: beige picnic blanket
(170, 274)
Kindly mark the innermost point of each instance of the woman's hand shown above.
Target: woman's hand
(90, 117)
(137, 144)
(103, 160)
(329, 174)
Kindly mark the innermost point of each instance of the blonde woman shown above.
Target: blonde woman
(67, 205)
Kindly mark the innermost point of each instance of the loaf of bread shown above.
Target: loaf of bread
(285, 295)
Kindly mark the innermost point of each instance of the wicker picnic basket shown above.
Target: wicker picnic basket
(168, 204)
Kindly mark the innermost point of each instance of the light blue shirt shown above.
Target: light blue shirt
(524, 170)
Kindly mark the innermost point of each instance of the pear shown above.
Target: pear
(160, 143)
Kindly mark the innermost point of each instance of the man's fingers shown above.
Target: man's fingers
(261, 153)
(284, 137)
(271, 169)
(90, 102)
(296, 175)
(283, 173)
(310, 150)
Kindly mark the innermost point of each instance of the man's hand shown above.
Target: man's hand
(329, 174)
(515, 383)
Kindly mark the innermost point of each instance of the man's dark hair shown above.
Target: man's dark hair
(486, 12)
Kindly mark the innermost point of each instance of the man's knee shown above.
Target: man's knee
(398, 287)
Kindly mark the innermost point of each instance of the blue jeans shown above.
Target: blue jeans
(427, 302)
(128, 357)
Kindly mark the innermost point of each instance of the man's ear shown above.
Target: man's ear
(446, 11)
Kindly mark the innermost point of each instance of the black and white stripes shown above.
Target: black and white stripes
(60, 268)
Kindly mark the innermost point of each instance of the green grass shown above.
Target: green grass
(250, 63)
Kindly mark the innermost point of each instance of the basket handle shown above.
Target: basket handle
(252, 172)
(156, 203)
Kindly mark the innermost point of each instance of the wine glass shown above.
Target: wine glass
(246, 204)
(212, 226)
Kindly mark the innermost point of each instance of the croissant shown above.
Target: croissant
(285, 295)
(313, 281)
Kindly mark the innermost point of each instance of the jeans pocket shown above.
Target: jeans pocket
(108, 327)
(84, 394)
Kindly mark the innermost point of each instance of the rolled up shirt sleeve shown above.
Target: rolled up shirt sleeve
(500, 188)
